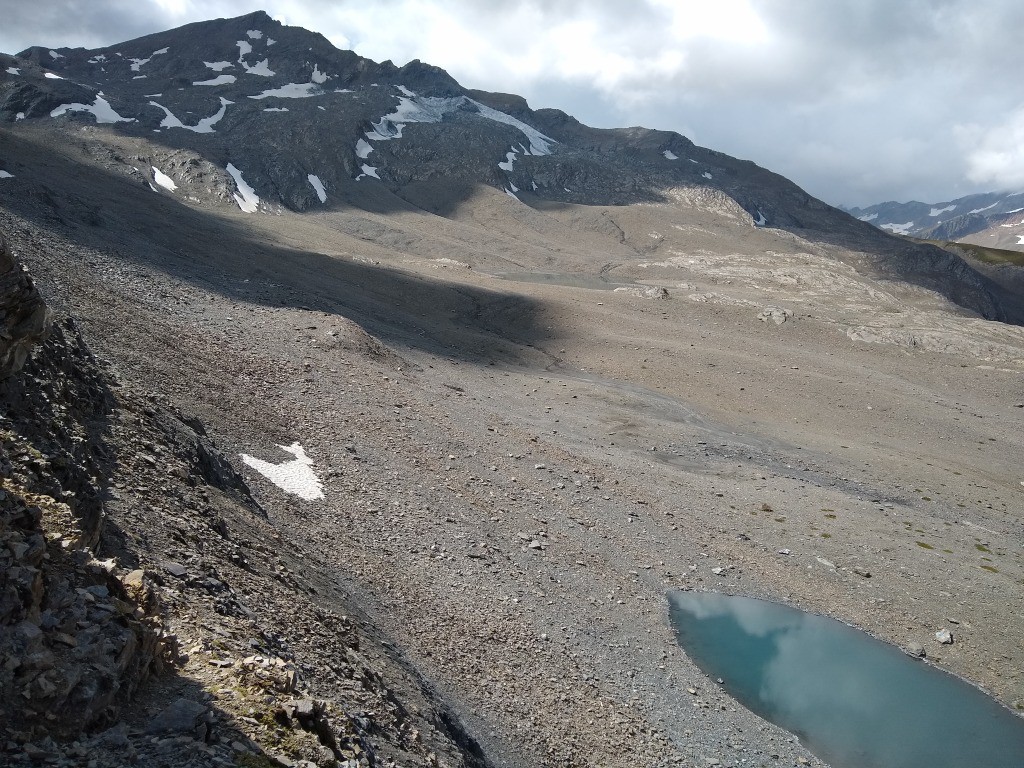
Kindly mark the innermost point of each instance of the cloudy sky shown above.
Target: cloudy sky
(858, 101)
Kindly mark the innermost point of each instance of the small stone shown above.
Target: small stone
(183, 716)
(944, 636)
(175, 569)
(718, 571)
(536, 545)
(863, 572)
(35, 753)
(915, 649)
(784, 552)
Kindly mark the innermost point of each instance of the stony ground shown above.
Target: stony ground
(518, 462)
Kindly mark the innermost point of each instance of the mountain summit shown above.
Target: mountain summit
(269, 116)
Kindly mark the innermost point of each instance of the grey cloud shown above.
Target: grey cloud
(76, 23)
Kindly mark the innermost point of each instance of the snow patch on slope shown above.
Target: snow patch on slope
(432, 109)
(987, 207)
(363, 149)
(318, 186)
(218, 80)
(203, 126)
(218, 66)
(100, 109)
(164, 180)
(295, 477)
(898, 229)
(868, 217)
(291, 91)
(137, 64)
(249, 201)
(939, 211)
(670, 155)
(261, 68)
(13, 71)
(6, 175)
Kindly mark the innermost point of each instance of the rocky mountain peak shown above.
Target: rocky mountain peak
(279, 118)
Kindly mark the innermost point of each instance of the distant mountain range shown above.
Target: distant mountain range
(994, 219)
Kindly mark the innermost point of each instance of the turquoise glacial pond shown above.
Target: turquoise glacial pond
(852, 700)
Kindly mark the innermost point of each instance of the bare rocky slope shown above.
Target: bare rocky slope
(504, 424)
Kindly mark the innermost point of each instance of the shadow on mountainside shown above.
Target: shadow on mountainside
(102, 208)
(96, 208)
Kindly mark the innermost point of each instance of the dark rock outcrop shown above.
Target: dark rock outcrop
(24, 319)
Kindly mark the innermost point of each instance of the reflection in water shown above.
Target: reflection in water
(854, 701)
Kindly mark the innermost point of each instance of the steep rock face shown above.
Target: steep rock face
(24, 319)
(77, 639)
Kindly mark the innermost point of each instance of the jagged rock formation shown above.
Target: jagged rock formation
(23, 316)
(86, 605)
(77, 639)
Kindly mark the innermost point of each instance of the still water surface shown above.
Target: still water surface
(854, 701)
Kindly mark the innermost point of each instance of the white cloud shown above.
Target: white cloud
(996, 156)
